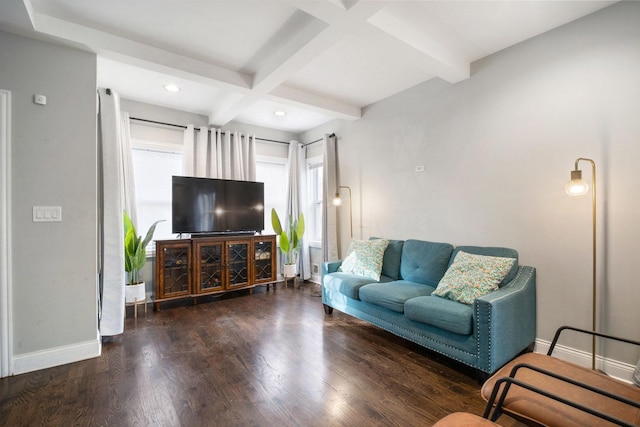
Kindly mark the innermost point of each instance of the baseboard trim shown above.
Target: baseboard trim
(620, 370)
(55, 356)
(316, 278)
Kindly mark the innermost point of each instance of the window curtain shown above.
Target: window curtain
(296, 195)
(329, 216)
(129, 185)
(213, 153)
(116, 184)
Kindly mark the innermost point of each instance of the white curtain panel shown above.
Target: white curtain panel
(237, 170)
(305, 257)
(250, 157)
(296, 194)
(129, 184)
(215, 154)
(188, 156)
(329, 218)
(212, 153)
(225, 172)
(200, 152)
(112, 275)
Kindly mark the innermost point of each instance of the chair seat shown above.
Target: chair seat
(527, 405)
(464, 419)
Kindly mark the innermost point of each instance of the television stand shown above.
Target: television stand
(189, 268)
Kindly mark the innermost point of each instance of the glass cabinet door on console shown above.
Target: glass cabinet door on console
(209, 266)
(173, 267)
(238, 264)
(213, 265)
(264, 262)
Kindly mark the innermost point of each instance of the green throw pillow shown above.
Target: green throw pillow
(472, 276)
(364, 258)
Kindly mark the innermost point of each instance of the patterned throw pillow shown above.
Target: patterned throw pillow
(364, 258)
(472, 276)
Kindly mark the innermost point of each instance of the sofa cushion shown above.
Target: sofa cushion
(364, 258)
(491, 251)
(471, 276)
(392, 258)
(346, 283)
(445, 314)
(424, 262)
(393, 295)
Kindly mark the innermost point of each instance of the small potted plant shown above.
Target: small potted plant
(135, 257)
(290, 240)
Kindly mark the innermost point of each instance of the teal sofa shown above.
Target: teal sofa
(484, 335)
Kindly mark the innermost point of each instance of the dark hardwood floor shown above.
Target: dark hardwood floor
(272, 358)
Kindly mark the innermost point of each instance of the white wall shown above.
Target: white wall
(498, 149)
(53, 161)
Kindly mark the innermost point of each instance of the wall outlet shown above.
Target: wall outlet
(419, 168)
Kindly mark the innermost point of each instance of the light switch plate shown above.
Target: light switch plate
(47, 214)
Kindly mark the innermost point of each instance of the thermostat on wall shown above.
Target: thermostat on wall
(40, 99)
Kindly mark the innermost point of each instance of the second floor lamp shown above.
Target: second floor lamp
(337, 201)
(579, 187)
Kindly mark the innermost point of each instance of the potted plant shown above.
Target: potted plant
(135, 257)
(290, 240)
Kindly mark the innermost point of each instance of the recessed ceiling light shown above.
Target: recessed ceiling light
(172, 88)
(280, 113)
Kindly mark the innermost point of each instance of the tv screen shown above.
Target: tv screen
(206, 205)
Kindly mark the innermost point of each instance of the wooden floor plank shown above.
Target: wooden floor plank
(271, 358)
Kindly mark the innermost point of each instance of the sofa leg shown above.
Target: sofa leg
(328, 309)
(482, 376)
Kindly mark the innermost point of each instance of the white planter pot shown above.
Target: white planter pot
(289, 270)
(133, 293)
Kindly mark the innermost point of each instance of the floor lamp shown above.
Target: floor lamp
(337, 201)
(578, 187)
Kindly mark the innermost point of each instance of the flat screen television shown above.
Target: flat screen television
(216, 206)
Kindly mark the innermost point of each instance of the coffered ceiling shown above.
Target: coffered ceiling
(316, 60)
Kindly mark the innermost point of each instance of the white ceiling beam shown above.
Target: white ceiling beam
(143, 55)
(315, 103)
(444, 62)
(304, 41)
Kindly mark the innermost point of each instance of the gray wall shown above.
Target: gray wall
(497, 151)
(53, 161)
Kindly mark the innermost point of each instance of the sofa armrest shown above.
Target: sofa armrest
(330, 267)
(505, 320)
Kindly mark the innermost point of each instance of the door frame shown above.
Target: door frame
(6, 365)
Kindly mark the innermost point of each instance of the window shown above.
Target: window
(314, 200)
(155, 162)
(273, 172)
(153, 166)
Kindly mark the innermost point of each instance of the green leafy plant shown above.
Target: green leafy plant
(291, 239)
(135, 249)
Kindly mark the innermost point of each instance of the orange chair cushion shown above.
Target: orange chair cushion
(544, 411)
(464, 419)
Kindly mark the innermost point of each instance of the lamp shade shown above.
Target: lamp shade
(577, 186)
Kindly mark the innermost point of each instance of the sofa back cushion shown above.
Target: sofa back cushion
(424, 262)
(491, 251)
(392, 259)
